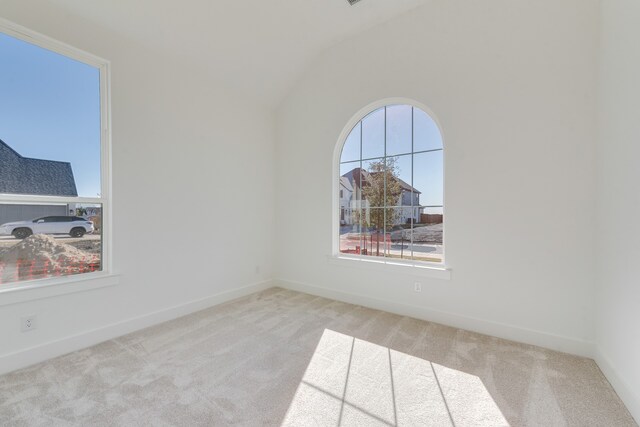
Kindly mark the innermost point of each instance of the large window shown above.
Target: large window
(54, 165)
(391, 192)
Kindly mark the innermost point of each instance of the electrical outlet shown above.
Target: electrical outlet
(29, 323)
(257, 269)
(417, 286)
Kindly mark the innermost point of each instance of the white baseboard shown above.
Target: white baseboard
(30, 356)
(626, 393)
(488, 327)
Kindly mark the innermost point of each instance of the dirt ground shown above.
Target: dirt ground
(41, 256)
(421, 234)
(90, 243)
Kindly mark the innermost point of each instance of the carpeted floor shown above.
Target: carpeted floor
(282, 357)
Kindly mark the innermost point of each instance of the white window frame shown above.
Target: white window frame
(82, 281)
(430, 269)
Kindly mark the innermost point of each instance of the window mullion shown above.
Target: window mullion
(412, 183)
(35, 199)
(384, 195)
(362, 238)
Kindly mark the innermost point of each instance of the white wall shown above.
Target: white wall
(193, 193)
(513, 86)
(618, 296)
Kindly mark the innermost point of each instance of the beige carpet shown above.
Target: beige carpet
(282, 357)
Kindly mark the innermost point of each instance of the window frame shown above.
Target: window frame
(105, 276)
(433, 269)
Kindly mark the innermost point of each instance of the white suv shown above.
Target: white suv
(74, 226)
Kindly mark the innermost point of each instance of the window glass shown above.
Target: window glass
(373, 135)
(428, 177)
(50, 246)
(49, 121)
(426, 135)
(51, 201)
(399, 133)
(397, 198)
(351, 149)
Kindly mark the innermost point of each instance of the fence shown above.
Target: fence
(366, 245)
(431, 218)
(22, 270)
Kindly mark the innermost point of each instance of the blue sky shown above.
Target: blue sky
(50, 109)
(427, 167)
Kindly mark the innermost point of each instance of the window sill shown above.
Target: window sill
(417, 269)
(47, 288)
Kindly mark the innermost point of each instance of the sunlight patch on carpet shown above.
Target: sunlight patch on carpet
(355, 382)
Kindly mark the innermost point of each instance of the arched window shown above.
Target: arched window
(391, 192)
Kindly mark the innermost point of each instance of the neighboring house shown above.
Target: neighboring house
(346, 193)
(22, 175)
(357, 204)
(408, 200)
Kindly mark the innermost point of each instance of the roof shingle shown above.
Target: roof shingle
(22, 175)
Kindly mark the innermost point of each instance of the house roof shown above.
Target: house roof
(407, 187)
(23, 175)
(358, 175)
(346, 183)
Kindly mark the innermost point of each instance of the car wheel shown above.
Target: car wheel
(77, 232)
(22, 233)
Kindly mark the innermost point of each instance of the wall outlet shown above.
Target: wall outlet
(417, 286)
(257, 269)
(29, 323)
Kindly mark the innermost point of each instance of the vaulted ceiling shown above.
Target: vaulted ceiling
(261, 46)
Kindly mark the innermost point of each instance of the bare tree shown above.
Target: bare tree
(382, 191)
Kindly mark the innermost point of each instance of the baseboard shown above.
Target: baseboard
(626, 393)
(30, 356)
(488, 327)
